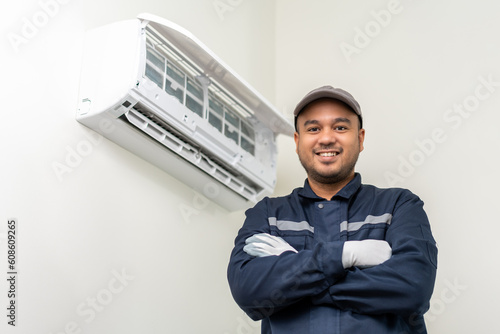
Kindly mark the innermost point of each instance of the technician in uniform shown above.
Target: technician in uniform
(336, 255)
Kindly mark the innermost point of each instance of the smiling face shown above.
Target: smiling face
(328, 142)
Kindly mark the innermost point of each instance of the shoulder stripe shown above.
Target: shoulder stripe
(354, 226)
(288, 225)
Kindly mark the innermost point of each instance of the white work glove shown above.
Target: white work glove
(365, 253)
(264, 244)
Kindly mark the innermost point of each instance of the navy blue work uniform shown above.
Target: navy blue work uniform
(310, 291)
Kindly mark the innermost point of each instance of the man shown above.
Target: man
(335, 256)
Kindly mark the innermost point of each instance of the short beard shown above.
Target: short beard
(332, 178)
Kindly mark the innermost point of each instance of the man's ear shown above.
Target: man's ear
(296, 139)
(361, 137)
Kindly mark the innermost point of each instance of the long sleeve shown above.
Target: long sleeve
(403, 284)
(262, 286)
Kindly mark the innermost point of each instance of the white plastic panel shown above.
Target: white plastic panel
(174, 103)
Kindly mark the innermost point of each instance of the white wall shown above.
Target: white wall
(115, 212)
(416, 67)
(113, 215)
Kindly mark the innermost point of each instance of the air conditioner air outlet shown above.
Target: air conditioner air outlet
(180, 146)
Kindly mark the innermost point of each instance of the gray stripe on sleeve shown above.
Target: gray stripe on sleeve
(350, 227)
(288, 225)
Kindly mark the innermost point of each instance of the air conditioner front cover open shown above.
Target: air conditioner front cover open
(153, 88)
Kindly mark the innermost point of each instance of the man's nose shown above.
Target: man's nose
(327, 137)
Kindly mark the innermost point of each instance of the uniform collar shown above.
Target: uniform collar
(349, 190)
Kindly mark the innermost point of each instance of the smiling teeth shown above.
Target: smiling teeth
(328, 154)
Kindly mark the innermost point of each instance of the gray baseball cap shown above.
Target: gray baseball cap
(332, 93)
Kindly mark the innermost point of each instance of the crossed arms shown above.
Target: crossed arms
(395, 275)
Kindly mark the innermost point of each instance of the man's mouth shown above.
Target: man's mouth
(327, 154)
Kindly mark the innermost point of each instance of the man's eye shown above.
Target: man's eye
(340, 128)
(312, 129)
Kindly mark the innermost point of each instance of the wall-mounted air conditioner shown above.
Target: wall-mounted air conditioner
(153, 88)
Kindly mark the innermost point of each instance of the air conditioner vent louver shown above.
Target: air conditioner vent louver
(153, 88)
(163, 134)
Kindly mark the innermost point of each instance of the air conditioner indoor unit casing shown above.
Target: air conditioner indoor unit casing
(230, 159)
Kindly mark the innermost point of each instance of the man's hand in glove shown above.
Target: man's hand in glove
(264, 244)
(365, 253)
